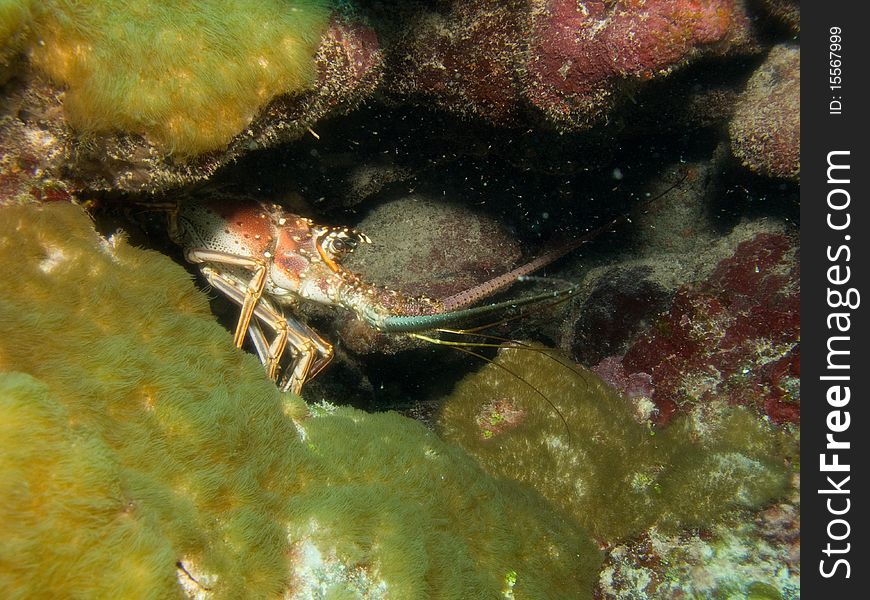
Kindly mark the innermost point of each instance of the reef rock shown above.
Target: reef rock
(734, 335)
(766, 128)
(431, 247)
(535, 417)
(135, 112)
(571, 60)
(425, 247)
(757, 559)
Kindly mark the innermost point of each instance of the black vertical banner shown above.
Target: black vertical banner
(835, 225)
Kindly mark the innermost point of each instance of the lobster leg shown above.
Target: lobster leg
(253, 289)
(311, 353)
(231, 287)
(270, 354)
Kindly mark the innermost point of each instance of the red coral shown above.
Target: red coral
(736, 334)
(580, 52)
(467, 60)
(564, 57)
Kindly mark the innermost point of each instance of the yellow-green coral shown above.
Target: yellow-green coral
(134, 438)
(14, 30)
(189, 74)
(505, 528)
(147, 442)
(614, 475)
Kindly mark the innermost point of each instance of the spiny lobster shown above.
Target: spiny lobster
(264, 258)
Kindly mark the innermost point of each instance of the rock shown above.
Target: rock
(425, 247)
(572, 61)
(734, 335)
(766, 128)
(125, 149)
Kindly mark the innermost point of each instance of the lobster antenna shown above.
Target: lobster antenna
(464, 347)
(543, 305)
(550, 353)
(414, 323)
(456, 302)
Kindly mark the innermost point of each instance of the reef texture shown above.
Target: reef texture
(444, 249)
(428, 248)
(143, 457)
(179, 74)
(787, 12)
(129, 123)
(116, 92)
(675, 242)
(734, 335)
(757, 559)
(571, 60)
(533, 417)
(23, 160)
(765, 130)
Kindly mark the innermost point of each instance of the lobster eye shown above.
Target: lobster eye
(338, 242)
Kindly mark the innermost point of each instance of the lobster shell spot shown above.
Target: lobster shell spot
(290, 266)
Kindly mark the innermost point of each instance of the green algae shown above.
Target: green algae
(135, 439)
(614, 475)
(189, 74)
(384, 451)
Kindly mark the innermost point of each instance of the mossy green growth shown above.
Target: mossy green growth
(507, 532)
(616, 476)
(188, 74)
(134, 439)
(131, 438)
(15, 19)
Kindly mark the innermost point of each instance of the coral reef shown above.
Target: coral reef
(22, 174)
(130, 151)
(466, 60)
(572, 61)
(572, 65)
(144, 457)
(765, 130)
(757, 559)
(423, 547)
(582, 54)
(735, 335)
(693, 313)
(131, 69)
(532, 417)
(675, 243)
